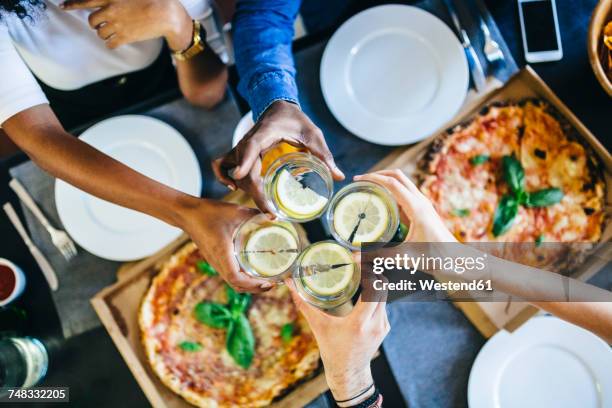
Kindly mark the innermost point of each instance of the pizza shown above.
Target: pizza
(191, 358)
(464, 174)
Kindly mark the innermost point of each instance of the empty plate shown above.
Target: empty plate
(547, 362)
(394, 74)
(149, 146)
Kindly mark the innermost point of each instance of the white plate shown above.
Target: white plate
(149, 146)
(394, 74)
(244, 125)
(545, 363)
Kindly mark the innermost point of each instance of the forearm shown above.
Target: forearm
(42, 137)
(263, 32)
(569, 299)
(593, 316)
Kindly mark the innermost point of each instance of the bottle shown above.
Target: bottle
(23, 362)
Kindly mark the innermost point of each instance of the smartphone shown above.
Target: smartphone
(540, 30)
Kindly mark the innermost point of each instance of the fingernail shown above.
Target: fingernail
(266, 286)
(231, 187)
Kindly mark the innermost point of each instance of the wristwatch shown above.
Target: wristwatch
(197, 43)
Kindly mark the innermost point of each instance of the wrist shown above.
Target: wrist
(179, 33)
(349, 384)
(185, 208)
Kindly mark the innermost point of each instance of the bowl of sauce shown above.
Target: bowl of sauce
(12, 281)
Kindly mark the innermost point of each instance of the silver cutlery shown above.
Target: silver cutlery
(476, 70)
(40, 259)
(60, 239)
(491, 49)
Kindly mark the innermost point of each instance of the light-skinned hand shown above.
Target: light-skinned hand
(347, 343)
(425, 223)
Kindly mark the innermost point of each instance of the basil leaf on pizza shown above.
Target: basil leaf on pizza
(544, 198)
(479, 159)
(214, 315)
(190, 346)
(286, 332)
(505, 214)
(205, 268)
(514, 174)
(240, 341)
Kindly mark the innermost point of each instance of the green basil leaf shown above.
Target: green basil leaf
(506, 212)
(544, 198)
(461, 212)
(240, 341)
(231, 294)
(214, 315)
(286, 332)
(237, 302)
(479, 159)
(190, 346)
(539, 240)
(513, 173)
(206, 269)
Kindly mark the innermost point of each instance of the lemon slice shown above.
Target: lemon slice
(334, 280)
(368, 207)
(271, 250)
(297, 200)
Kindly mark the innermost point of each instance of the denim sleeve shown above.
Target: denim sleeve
(263, 32)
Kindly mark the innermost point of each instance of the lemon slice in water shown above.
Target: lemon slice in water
(298, 201)
(364, 209)
(332, 281)
(271, 250)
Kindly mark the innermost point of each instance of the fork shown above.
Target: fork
(491, 49)
(60, 239)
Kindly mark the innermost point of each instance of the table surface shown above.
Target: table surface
(91, 365)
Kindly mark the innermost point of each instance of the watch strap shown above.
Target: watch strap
(197, 43)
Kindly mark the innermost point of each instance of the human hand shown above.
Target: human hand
(347, 343)
(120, 22)
(282, 122)
(211, 225)
(425, 223)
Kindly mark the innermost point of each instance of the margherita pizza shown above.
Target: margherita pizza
(191, 357)
(557, 193)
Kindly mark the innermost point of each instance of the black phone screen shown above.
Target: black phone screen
(539, 24)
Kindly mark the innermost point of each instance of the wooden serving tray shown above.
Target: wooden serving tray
(489, 317)
(118, 305)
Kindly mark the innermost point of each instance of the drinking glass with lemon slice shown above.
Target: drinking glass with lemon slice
(326, 275)
(363, 212)
(266, 248)
(298, 186)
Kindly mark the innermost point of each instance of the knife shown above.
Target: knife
(40, 259)
(476, 69)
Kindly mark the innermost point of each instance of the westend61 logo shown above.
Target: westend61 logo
(412, 264)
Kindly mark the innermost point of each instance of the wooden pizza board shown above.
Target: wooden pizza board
(490, 317)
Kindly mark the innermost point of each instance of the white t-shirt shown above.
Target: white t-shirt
(65, 53)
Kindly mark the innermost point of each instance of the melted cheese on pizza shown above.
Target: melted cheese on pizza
(466, 194)
(209, 377)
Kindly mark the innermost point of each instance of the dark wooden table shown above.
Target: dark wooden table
(91, 365)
